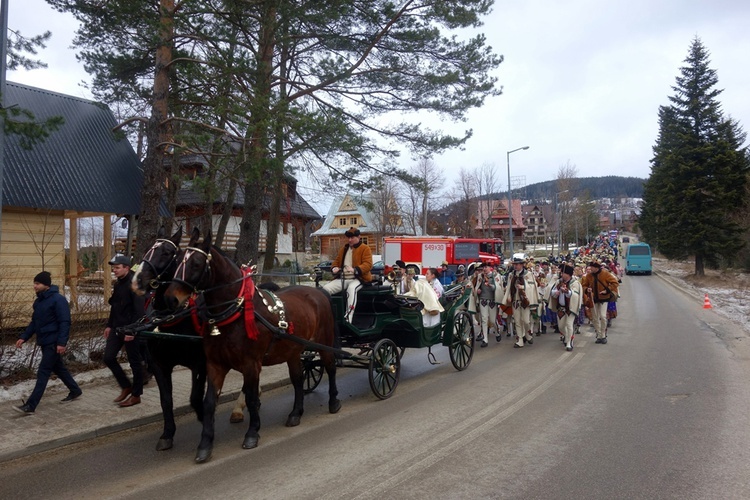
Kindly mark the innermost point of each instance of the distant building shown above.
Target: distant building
(492, 220)
(539, 222)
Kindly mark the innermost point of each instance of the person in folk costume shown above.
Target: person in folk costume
(353, 264)
(565, 299)
(538, 311)
(578, 274)
(521, 293)
(604, 287)
(549, 316)
(403, 281)
(612, 304)
(485, 291)
(429, 298)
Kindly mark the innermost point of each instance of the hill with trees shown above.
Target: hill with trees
(610, 186)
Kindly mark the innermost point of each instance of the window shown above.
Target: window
(342, 221)
(353, 221)
(363, 239)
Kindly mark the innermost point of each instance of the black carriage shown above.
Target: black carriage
(384, 325)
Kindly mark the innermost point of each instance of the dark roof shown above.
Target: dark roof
(83, 166)
(299, 207)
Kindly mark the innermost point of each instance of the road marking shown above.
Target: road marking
(472, 428)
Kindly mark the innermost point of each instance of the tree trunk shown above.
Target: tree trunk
(272, 225)
(226, 212)
(700, 269)
(157, 132)
(257, 169)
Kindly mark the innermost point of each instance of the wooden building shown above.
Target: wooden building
(81, 170)
(296, 215)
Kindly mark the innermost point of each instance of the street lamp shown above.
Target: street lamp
(510, 201)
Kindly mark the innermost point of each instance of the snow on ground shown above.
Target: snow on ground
(727, 290)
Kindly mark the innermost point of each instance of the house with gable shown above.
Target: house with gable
(539, 222)
(349, 211)
(81, 170)
(493, 216)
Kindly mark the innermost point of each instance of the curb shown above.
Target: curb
(179, 410)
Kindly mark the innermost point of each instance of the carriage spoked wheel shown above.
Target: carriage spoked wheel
(461, 348)
(385, 368)
(312, 371)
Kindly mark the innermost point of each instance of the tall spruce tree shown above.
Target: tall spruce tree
(698, 172)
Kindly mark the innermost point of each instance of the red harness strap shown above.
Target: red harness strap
(248, 292)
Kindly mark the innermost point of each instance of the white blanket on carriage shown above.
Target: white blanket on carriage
(427, 296)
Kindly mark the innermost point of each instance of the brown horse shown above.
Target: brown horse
(153, 277)
(244, 343)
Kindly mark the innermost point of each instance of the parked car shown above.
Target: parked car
(324, 265)
(626, 239)
(378, 268)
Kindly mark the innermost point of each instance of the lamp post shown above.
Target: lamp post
(510, 201)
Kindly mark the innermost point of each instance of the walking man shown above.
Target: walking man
(521, 293)
(126, 308)
(565, 300)
(50, 322)
(604, 287)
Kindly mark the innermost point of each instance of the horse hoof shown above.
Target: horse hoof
(334, 407)
(292, 421)
(164, 444)
(250, 442)
(236, 418)
(202, 456)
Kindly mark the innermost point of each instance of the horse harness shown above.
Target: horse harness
(154, 283)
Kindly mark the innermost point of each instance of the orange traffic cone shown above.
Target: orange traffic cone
(706, 302)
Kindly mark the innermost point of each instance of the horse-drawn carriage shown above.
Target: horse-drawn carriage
(384, 325)
(244, 327)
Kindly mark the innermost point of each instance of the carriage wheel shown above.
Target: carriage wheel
(461, 348)
(312, 371)
(385, 368)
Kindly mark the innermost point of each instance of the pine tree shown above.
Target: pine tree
(698, 172)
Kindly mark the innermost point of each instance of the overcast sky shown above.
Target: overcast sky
(582, 79)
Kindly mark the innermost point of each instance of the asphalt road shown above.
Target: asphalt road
(658, 412)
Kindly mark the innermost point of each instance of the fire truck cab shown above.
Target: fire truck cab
(431, 251)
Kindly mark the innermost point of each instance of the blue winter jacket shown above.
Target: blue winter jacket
(50, 320)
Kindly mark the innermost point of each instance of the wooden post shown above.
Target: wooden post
(107, 273)
(73, 262)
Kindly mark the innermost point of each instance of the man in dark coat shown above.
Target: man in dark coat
(51, 324)
(126, 308)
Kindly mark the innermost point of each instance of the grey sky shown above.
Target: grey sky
(582, 79)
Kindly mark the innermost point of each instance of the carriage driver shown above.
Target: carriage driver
(354, 262)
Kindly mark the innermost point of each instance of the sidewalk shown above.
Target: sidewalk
(93, 414)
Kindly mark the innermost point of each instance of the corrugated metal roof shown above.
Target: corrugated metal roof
(83, 166)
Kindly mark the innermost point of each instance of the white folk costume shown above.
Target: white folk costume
(522, 294)
(432, 307)
(565, 298)
(488, 289)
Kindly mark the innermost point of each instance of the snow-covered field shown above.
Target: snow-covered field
(727, 290)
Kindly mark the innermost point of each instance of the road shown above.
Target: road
(658, 412)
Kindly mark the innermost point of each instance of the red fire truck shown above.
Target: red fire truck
(431, 251)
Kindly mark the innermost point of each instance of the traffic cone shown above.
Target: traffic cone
(706, 302)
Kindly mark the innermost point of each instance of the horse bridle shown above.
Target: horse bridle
(156, 281)
(189, 251)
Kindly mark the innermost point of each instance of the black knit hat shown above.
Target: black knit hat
(43, 278)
